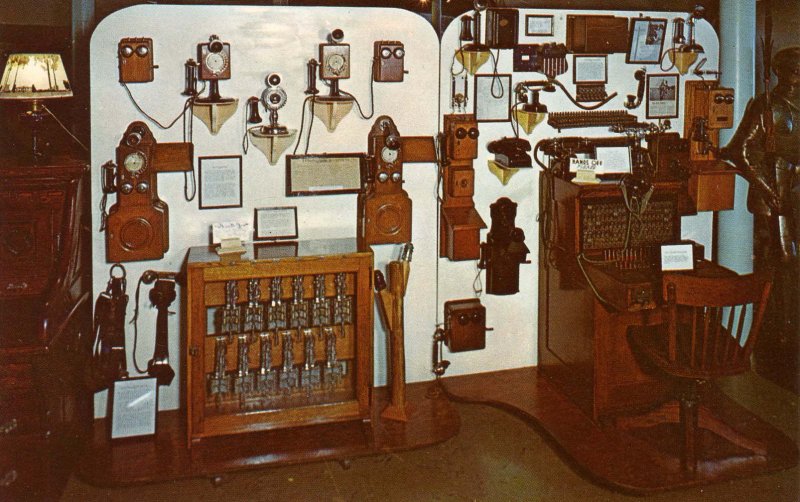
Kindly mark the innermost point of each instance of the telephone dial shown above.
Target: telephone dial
(384, 207)
(214, 64)
(137, 226)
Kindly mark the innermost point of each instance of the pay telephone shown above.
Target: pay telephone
(384, 208)
(137, 226)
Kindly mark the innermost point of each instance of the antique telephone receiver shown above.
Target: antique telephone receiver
(137, 225)
(634, 101)
(109, 359)
(161, 296)
(384, 208)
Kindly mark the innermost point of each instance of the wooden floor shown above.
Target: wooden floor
(164, 457)
(640, 461)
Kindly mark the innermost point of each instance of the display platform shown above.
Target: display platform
(639, 462)
(165, 456)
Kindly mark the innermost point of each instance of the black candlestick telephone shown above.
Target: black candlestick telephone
(109, 362)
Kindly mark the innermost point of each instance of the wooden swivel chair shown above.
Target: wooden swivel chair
(704, 337)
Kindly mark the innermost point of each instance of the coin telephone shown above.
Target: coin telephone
(137, 226)
(384, 207)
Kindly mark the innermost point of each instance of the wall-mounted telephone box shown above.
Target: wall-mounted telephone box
(334, 61)
(137, 227)
(461, 182)
(501, 28)
(461, 135)
(135, 58)
(465, 325)
(388, 61)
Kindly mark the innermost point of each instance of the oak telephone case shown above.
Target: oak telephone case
(137, 226)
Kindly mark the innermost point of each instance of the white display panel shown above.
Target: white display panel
(282, 39)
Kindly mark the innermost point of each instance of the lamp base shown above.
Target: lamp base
(39, 151)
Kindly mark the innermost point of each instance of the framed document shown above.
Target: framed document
(275, 223)
(493, 98)
(647, 40)
(677, 256)
(538, 25)
(134, 403)
(590, 69)
(662, 96)
(614, 159)
(220, 181)
(326, 174)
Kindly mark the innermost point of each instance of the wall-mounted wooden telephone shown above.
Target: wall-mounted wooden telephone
(137, 226)
(709, 108)
(461, 224)
(384, 208)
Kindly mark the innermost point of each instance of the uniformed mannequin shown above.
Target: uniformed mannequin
(774, 195)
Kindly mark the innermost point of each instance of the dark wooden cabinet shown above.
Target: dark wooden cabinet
(45, 324)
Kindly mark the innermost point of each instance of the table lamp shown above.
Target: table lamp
(34, 78)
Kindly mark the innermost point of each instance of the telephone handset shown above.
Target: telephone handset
(109, 177)
(634, 101)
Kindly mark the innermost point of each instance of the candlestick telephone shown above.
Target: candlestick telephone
(137, 225)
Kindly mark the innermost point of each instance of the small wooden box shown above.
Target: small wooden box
(465, 325)
(712, 190)
(461, 228)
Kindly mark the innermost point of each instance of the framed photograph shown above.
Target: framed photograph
(590, 69)
(325, 174)
(662, 96)
(134, 405)
(220, 181)
(647, 40)
(493, 97)
(274, 223)
(538, 25)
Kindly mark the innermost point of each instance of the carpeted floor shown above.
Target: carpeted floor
(494, 457)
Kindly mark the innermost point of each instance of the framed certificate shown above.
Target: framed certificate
(647, 40)
(538, 25)
(134, 403)
(275, 223)
(326, 174)
(590, 69)
(220, 181)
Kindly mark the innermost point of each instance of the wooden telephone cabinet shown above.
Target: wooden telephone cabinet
(460, 230)
(216, 404)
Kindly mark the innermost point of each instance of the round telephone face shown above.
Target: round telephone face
(336, 64)
(135, 162)
(216, 62)
(388, 155)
